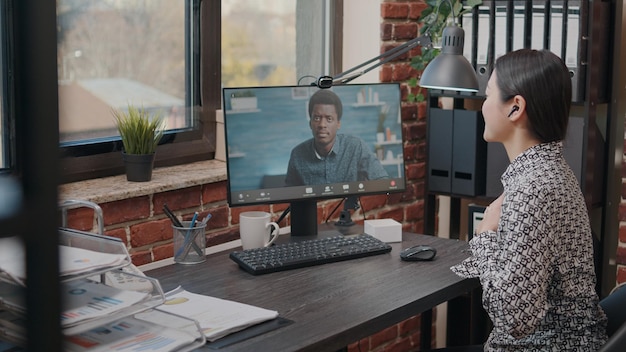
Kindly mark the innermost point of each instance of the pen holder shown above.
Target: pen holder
(189, 243)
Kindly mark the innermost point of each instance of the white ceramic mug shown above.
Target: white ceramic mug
(253, 229)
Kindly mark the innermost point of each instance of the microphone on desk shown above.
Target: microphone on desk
(345, 218)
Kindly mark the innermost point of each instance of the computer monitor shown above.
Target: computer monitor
(276, 154)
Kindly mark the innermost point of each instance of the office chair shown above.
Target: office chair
(614, 306)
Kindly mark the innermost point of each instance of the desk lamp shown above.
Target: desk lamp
(450, 70)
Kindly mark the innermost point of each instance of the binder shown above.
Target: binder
(504, 26)
(483, 57)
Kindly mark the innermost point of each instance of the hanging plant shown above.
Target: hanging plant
(434, 18)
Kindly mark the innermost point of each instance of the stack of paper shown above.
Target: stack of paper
(72, 260)
(130, 334)
(85, 300)
(217, 317)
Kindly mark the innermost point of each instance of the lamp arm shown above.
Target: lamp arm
(354, 72)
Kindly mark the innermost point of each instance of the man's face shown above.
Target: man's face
(324, 125)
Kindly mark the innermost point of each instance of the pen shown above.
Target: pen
(206, 219)
(188, 237)
(171, 215)
(177, 223)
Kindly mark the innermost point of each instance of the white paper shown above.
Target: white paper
(217, 317)
(72, 260)
(85, 300)
(129, 335)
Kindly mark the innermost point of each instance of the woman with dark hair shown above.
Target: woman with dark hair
(533, 251)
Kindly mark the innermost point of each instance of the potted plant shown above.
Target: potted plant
(140, 133)
(434, 18)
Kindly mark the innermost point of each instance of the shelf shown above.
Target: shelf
(94, 300)
(366, 105)
(242, 111)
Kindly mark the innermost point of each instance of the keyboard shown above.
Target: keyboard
(305, 253)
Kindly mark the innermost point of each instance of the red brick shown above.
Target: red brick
(369, 203)
(621, 274)
(418, 227)
(415, 210)
(409, 151)
(390, 46)
(384, 336)
(416, 8)
(386, 31)
(219, 217)
(150, 232)
(360, 346)
(414, 171)
(214, 192)
(414, 131)
(409, 195)
(622, 234)
(403, 72)
(420, 189)
(408, 326)
(178, 199)
(141, 257)
(121, 211)
(409, 112)
(396, 10)
(622, 212)
(422, 110)
(421, 151)
(620, 257)
(163, 251)
(118, 233)
(81, 219)
(401, 345)
(395, 198)
(386, 72)
(222, 236)
(405, 31)
(396, 213)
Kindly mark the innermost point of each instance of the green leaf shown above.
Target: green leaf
(140, 131)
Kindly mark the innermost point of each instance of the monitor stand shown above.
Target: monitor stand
(304, 224)
(304, 218)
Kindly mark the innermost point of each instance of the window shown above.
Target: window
(115, 53)
(278, 42)
(112, 53)
(174, 57)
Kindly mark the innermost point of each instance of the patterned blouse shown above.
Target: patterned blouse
(537, 269)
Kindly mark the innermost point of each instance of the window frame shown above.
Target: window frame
(81, 161)
(86, 161)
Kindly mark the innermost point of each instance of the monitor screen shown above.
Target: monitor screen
(300, 144)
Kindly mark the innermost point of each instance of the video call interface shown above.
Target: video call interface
(263, 125)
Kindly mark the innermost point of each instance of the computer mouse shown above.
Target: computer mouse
(419, 252)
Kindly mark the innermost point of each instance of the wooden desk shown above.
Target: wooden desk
(331, 305)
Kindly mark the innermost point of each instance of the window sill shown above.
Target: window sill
(109, 189)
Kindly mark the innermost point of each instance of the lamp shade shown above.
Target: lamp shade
(450, 70)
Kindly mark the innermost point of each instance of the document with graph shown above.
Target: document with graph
(217, 317)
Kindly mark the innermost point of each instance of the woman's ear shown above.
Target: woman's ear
(519, 106)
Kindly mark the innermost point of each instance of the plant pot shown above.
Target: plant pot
(138, 166)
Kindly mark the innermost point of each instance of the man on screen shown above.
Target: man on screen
(329, 157)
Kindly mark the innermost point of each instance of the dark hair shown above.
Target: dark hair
(326, 97)
(544, 81)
